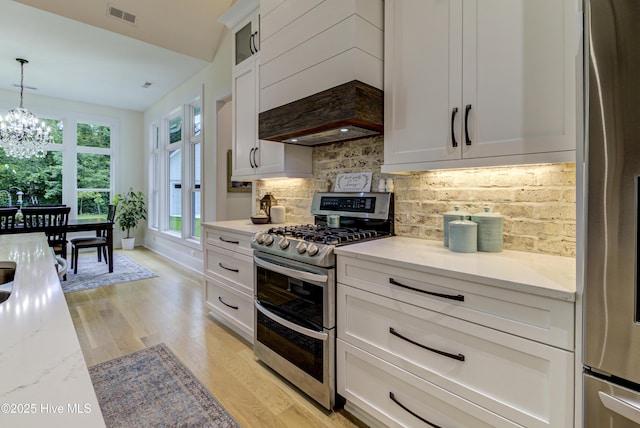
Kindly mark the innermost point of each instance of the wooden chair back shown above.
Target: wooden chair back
(7, 219)
(50, 220)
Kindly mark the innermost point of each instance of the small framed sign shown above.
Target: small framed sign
(353, 182)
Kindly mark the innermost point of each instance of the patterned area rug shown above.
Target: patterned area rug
(94, 274)
(152, 387)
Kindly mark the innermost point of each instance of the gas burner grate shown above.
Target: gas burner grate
(324, 234)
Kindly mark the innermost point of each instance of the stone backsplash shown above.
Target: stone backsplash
(538, 201)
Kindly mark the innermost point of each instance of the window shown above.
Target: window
(175, 172)
(154, 179)
(93, 170)
(77, 170)
(196, 144)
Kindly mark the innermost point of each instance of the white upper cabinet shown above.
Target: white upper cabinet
(243, 19)
(479, 83)
(252, 158)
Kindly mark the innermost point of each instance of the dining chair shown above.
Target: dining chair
(99, 242)
(7, 219)
(52, 221)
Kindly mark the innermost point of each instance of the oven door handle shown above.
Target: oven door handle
(295, 327)
(293, 273)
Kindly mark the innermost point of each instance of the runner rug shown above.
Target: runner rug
(94, 274)
(152, 387)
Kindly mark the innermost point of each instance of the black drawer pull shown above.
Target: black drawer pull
(228, 241)
(458, 357)
(226, 304)
(405, 408)
(228, 268)
(459, 297)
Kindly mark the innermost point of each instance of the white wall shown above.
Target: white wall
(214, 83)
(128, 158)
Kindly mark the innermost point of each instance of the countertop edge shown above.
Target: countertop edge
(474, 267)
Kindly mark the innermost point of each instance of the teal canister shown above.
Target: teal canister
(450, 216)
(463, 236)
(490, 230)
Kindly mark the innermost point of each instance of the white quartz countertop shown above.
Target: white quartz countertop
(244, 227)
(540, 274)
(44, 381)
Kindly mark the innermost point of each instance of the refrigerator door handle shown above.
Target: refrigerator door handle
(620, 406)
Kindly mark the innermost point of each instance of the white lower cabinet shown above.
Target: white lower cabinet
(399, 399)
(228, 269)
(404, 363)
(232, 306)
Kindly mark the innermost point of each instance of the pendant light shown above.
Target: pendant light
(22, 135)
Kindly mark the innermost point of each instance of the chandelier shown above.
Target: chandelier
(22, 135)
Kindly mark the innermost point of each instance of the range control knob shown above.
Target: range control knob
(312, 249)
(284, 243)
(259, 237)
(301, 247)
(268, 240)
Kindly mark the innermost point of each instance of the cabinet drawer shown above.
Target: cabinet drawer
(525, 381)
(232, 306)
(235, 268)
(539, 318)
(228, 240)
(368, 382)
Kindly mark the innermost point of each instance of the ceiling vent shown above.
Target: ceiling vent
(121, 15)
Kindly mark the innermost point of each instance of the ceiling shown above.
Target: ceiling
(78, 51)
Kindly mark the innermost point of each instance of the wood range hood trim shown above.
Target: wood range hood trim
(349, 111)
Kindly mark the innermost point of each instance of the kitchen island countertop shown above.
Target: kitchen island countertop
(540, 274)
(45, 380)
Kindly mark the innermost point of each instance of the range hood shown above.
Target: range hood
(346, 112)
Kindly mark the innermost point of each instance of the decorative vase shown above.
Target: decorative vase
(128, 243)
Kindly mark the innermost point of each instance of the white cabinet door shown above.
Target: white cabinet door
(519, 77)
(270, 157)
(244, 119)
(479, 83)
(423, 72)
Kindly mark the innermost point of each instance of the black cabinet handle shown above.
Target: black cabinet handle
(459, 357)
(458, 297)
(454, 112)
(251, 44)
(228, 241)
(467, 109)
(254, 44)
(228, 268)
(251, 161)
(406, 409)
(255, 162)
(226, 304)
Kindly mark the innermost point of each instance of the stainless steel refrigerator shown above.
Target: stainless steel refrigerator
(611, 336)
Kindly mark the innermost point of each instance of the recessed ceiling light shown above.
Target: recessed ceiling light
(294, 140)
(344, 129)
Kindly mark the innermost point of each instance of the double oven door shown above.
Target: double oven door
(295, 323)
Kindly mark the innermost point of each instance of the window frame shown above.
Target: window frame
(159, 170)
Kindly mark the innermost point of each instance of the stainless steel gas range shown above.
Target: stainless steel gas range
(295, 286)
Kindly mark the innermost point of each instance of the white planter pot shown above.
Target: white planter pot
(128, 243)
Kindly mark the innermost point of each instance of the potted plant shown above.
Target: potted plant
(130, 209)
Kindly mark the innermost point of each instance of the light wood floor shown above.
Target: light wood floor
(119, 319)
